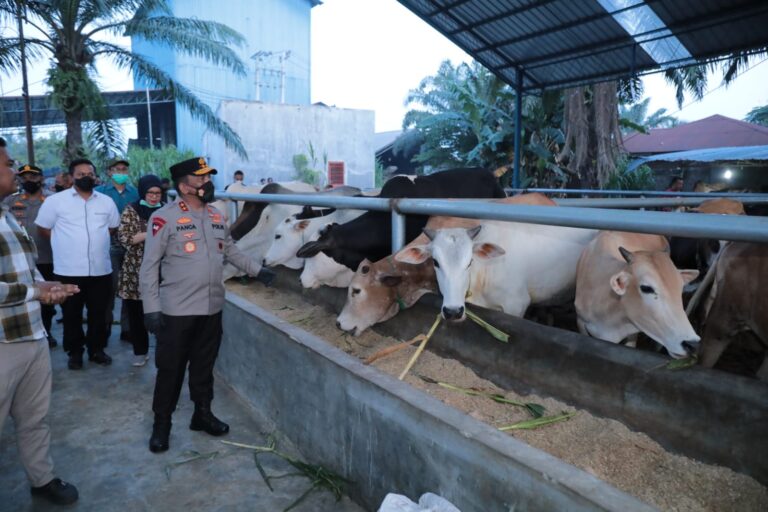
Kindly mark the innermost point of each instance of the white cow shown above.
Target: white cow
(292, 233)
(323, 270)
(628, 284)
(502, 265)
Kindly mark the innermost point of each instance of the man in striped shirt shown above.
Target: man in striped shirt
(25, 364)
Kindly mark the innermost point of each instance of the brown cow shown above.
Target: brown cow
(626, 284)
(741, 277)
(380, 290)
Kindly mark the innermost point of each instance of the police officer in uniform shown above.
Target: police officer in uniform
(187, 244)
(24, 206)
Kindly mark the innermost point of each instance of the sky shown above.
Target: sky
(367, 54)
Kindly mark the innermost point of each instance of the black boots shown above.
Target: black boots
(203, 419)
(161, 431)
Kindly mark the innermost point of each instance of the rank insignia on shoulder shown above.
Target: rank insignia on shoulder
(183, 206)
(157, 224)
(190, 247)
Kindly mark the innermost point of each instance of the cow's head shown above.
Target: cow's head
(289, 237)
(452, 251)
(322, 270)
(650, 289)
(371, 298)
(331, 245)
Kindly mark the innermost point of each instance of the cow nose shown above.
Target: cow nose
(338, 324)
(691, 346)
(264, 262)
(453, 313)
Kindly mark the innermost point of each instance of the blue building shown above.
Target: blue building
(276, 52)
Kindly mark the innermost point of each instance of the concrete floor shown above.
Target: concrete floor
(100, 420)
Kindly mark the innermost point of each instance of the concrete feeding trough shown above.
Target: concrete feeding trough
(386, 436)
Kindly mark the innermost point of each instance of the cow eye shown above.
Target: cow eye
(647, 289)
(278, 237)
(469, 264)
(437, 265)
(355, 291)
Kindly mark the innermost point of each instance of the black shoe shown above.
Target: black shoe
(161, 431)
(203, 419)
(52, 342)
(57, 491)
(100, 358)
(75, 362)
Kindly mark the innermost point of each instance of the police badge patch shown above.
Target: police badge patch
(157, 225)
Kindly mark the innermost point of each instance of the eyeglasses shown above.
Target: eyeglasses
(154, 193)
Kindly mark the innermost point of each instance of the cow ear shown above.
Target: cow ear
(619, 282)
(301, 225)
(487, 251)
(689, 275)
(390, 280)
(473, 232)
(414, 255)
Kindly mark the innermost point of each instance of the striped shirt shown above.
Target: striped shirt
(20, 318)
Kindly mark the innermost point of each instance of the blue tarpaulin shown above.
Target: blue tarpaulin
(730, 154)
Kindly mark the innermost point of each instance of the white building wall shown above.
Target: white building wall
(272, 134)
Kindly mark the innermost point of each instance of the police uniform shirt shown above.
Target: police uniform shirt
(188, 249)
(24, 208)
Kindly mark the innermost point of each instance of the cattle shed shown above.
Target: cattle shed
(743, 167)
(548, 44)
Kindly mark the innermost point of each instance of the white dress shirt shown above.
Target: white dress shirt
(80, 232)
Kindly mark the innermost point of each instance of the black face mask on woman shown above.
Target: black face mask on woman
(86, 183)
(31, 187)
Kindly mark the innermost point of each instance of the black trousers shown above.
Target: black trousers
(47, 311)
(94, 294)
(185, 340)
(138, 335)
(116, 256)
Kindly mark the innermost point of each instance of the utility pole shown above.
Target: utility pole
(149, 121)
(283, 57)
(25, 87)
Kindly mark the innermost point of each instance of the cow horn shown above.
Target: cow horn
(472, 232)
(429, 232)
(626, 255)
(311, 249)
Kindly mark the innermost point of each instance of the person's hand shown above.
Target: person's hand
(265, 276)
(154, 322)
(138, 238)
(54, 292)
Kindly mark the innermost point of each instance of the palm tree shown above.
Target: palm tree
(758, 115)
(635, 118)
(69, 35)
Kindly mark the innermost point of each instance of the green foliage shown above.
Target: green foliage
(641, 178)
(758, 115)
(72, 37)
(155, 161)
(634, 118)
(467, 119)
(48, 150)
(378, 170)
(306, 166)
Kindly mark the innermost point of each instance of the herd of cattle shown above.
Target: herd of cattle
(621, 284)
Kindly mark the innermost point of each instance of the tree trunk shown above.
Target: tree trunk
(73, 147)
(592, 137)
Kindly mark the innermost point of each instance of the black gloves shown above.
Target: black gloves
(153, 322)
(266, 276)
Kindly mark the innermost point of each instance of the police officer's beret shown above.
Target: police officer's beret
(30, 168)
(196, 166)
(118, 161)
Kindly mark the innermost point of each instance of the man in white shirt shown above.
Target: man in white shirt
(79, 221)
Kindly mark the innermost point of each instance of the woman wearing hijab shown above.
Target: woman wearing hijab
(131, 234)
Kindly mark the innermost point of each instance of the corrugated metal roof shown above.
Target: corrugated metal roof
(560, 43)
(711, 132)
(737, 154)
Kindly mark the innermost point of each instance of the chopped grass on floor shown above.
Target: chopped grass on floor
(538, 422)
(189, 456)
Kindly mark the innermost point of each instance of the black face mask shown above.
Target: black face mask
(205, 193)
(58, 188)
(31, 187)
(86, 183)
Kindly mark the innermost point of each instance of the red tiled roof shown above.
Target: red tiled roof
(711, 132)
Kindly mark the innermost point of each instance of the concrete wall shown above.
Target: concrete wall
(706, 414)
(385, 436)
(267, 25)
(272, 134)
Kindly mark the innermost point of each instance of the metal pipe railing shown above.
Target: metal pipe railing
(721, 227)
(650, 202)
(646, 193)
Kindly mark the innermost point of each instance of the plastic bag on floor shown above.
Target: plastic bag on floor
(428, 502)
